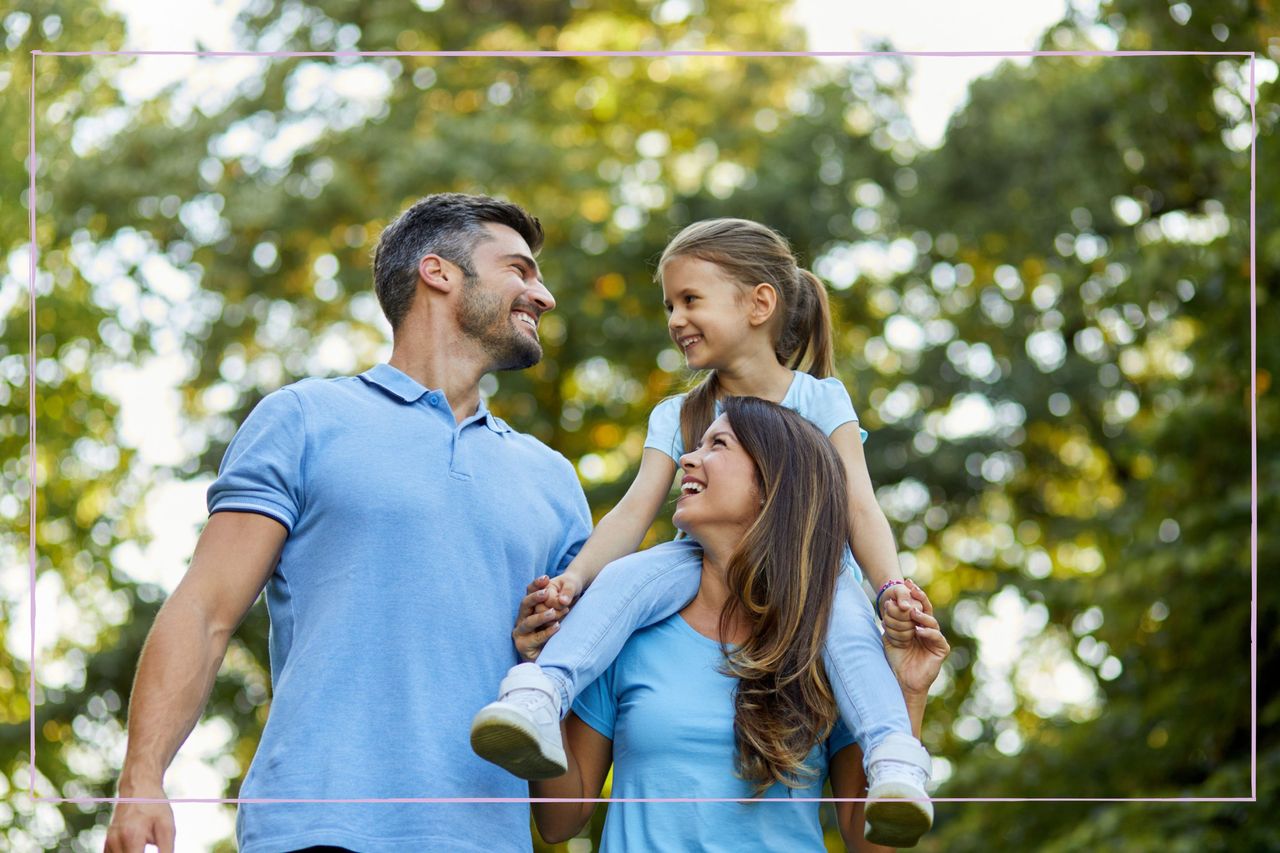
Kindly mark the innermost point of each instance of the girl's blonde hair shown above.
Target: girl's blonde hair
(782, 579)
(752, 254)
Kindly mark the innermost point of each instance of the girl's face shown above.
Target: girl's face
(707, 314)
(718, 492)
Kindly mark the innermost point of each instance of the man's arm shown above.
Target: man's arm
(233, 559)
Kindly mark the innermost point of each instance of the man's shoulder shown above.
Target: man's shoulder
(323, 399)
(319, 388)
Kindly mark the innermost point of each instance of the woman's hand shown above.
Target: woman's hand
(918, 664)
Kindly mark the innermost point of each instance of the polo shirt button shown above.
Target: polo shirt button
(434, 399)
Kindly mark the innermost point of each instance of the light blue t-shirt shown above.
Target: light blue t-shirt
(669, 712)
(825, 402)
(411, 541)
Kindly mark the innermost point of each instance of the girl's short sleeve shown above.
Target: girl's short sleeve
(664, 428)
(830, 407)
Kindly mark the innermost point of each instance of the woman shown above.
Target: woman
(728, 699)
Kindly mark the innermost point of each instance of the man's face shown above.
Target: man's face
(500, 306)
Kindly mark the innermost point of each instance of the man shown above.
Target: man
(396, 525)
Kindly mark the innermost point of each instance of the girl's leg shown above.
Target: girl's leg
(867, 693)
(520, 732)
(871, 705)
(639, 590)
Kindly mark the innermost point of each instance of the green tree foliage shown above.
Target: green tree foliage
(86, 483)
(1043, 322)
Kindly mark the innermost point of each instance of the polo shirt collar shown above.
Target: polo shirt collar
(404, 387)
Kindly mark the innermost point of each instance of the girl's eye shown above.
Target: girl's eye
(689, 299)
(719, 441)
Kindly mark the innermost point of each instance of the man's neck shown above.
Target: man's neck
(438, 360)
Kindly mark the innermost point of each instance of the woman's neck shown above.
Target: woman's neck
(703, 612)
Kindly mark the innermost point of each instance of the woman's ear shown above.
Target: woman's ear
(764, 302)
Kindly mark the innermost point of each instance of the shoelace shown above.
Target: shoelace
(888, 768)
(530, 698)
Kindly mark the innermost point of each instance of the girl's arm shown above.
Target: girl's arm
(871, 538)
(589, 755)
(621, 530)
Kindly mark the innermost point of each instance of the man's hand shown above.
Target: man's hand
(896, 606)
(135, 825)
(545, 603)
(917, 664)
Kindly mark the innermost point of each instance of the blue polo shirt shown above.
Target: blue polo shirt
(411, 541)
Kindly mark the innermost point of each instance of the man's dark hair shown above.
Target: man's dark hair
(446, 224)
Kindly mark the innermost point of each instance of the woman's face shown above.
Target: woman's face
(718, 492)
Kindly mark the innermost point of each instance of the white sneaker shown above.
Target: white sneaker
(898, 809)
(521, 731)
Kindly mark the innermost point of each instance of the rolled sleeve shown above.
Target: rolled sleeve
(262, 470)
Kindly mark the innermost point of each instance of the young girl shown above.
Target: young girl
(742, 309)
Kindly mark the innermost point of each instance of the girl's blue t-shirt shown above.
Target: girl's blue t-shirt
(825, 402)
(668, 709)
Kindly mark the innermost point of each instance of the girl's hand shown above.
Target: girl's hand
(567, 588)
(917, 665)
(895, 614)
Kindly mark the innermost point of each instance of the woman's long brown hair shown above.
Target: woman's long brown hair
(751, 254)
(782, 579)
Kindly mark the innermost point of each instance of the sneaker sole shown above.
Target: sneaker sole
(897, 822)
(507, 740)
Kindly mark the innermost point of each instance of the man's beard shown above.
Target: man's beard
(483, 318)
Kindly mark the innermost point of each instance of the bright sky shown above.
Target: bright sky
(149, 417)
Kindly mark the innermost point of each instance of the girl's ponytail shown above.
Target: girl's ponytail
(808, 330)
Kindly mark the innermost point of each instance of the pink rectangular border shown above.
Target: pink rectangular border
(1253, 404)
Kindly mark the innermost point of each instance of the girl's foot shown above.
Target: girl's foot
(898, 809)
(521, 731)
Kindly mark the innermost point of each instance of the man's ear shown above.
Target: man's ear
(764, 302)
(438, 274)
